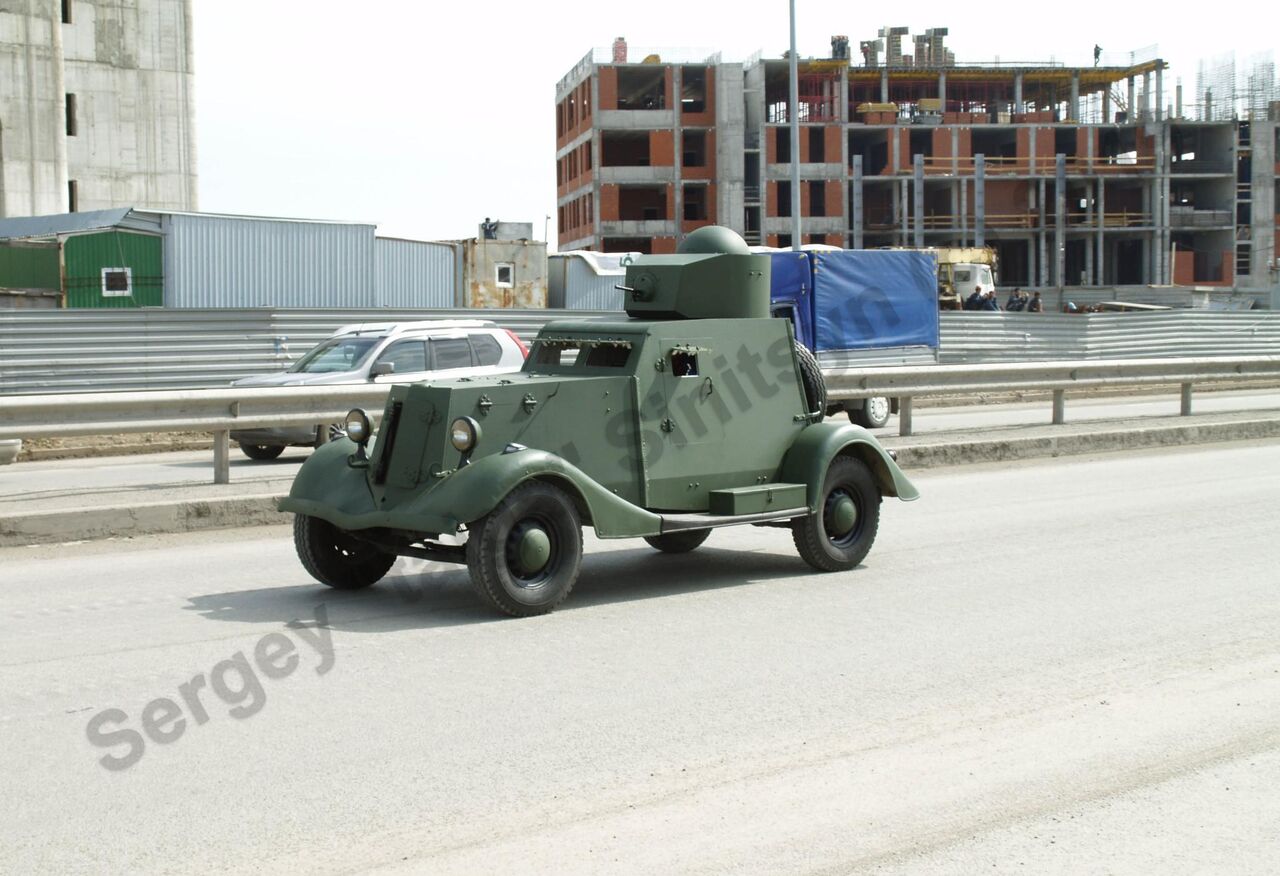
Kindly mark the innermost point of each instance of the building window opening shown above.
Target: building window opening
(624, 148)
(642, 203)
(695, 203)
(784, 199)
(117, 282)
(642, 88)
(693, 89)
(817, 146)
(504, 275)
(817, 198)
(66, 11)
(71, 115)
(782, 145)
(695, 149)
(73, 196)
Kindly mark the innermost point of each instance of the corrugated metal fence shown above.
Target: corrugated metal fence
(1022, 337)
(63, 351)
(80, 350)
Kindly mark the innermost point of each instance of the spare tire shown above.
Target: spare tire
(815, 388)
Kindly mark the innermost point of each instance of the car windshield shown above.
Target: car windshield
(336, 354)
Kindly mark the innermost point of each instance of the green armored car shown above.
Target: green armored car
(696, 410)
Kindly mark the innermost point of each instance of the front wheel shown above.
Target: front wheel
(839, 534)
(525, 554)
(678, 542)
(335, 557)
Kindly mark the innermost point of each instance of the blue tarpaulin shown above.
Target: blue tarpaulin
(874, 298)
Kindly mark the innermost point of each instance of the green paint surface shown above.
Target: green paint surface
(85, 256)
(29, 266)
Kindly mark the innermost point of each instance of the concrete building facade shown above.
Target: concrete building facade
(96, 106)
(1075, 176)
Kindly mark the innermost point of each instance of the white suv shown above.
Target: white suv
(384, 352)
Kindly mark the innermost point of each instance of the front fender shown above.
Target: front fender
(474, 491)
(811, 453)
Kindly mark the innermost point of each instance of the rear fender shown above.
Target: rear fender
(810, 456)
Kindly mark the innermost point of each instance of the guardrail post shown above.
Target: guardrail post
(904, 416)
(222, 457)
(1186, 399)
(1059, 407)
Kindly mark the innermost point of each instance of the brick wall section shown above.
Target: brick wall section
(662, 150)
(609, 203)
(834, 135)
(664, 245)
(708, 115)
(608, 78)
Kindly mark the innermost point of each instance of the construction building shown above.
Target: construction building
(1093, 176)
(96, 106)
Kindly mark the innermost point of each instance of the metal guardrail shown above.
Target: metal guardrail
(219, 411)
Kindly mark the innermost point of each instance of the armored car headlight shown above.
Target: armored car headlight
(464, 434)
(358, 426)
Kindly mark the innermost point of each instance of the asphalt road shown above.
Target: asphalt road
(1066, 666)
(54, 480)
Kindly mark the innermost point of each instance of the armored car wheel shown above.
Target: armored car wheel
(262, 451)
(524, 556)
(334, 557)
(678, 542)
(840, 533)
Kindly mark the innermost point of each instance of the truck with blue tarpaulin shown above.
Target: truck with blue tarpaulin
(860, 308)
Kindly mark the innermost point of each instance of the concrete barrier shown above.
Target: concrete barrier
(9, 449)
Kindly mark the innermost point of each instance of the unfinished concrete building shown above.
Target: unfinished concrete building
(96, 106)
(1076, 176)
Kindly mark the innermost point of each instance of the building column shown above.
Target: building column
(1040, 234)
(979, 199)
(1132, 110)
(1075, 97)
(1100, 243)
(942, 90)
(1106, 106)
(1146, 97)
(917, 173)
(1159, 94)
(904, 209)
(884, 85)
(858, 211)
(1031, 146)
(1017, 93)
(1088, 245)
(1060, 218)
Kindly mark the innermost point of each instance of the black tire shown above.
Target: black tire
(678, 542)
(493, 551)
(262, 451)
(334, 557)
(815, 388)
(872, 413)
(817, 541)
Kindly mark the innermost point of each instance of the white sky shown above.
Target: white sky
(426, 117)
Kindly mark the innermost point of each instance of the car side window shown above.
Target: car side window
(449, 353)
(488, 350)
(408, 356)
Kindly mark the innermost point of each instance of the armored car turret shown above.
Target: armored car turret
(691, 410)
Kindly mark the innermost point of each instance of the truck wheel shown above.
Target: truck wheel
(524, 556)
(334, 557)
(840, 533)
(262, 451)
(815, 388)
(678, 542)
(873, 414)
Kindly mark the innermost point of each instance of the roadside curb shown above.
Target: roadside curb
(149, 518)
(1007, 449)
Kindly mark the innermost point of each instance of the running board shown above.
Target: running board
(679, 522)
